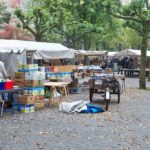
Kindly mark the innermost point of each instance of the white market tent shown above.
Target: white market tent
(131, 52)
(111, 53)
(90, 53)
(13, 52)
(42, 50)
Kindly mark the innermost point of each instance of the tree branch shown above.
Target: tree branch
(27, 26)
(136, 29)
(125, 17)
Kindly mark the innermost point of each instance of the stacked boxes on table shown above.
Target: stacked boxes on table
(59, 73)
(32, 80)
(62, 73)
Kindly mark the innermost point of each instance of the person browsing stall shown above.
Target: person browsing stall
(3, 73)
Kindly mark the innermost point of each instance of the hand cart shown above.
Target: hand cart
(106, 86)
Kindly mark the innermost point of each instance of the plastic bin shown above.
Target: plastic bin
(2, 85)
(9, 85)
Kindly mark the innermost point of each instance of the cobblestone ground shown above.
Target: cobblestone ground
(126, 126)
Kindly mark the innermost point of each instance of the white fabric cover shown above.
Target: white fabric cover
(73, 107)
(90, 53)
(131, 52)
(42, 50)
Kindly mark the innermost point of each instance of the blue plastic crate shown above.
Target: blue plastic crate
(75, 90)
(2, 85)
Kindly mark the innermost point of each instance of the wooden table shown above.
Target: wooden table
(54, 86)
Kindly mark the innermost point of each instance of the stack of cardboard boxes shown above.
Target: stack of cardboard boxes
(32, 80)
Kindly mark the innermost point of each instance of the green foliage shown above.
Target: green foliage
(4, 15)
(36, 19)
(80, 24)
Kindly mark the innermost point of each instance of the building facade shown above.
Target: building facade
(10, 30)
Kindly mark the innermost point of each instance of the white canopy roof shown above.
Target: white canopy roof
(131, 52)
(41, 49)
(111, 53)
(90, 53)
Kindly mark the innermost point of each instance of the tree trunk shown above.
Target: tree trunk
(87, 45)
(38, 37)
(142, 80)
(149, 72)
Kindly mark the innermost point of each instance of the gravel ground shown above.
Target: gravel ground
(126, 126)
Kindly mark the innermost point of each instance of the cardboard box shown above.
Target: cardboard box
(34, 83)
(74, 83)
(47, 69)
(19, 75)
(19, 82)
(31, 66)
(27, 109)
(26, 100)
(39, 99)
(27, 68)
(68, 68)
(39, 106)
(52, 76)
(35, 75)
(34, 91)
(51, 68)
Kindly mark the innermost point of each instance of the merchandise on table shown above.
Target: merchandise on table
(64, 76)
(68, 68)
(52, 76)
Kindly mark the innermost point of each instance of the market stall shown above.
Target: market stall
(130, 61)
(90, 57)
(31, 77)
(13, 52)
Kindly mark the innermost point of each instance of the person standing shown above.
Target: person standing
(3, 73)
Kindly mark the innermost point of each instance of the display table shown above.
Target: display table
(12, 91)
(131, 72)
(53, 87)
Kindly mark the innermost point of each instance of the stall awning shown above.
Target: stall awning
(131, 52)
(42, 50)
(90, 53)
